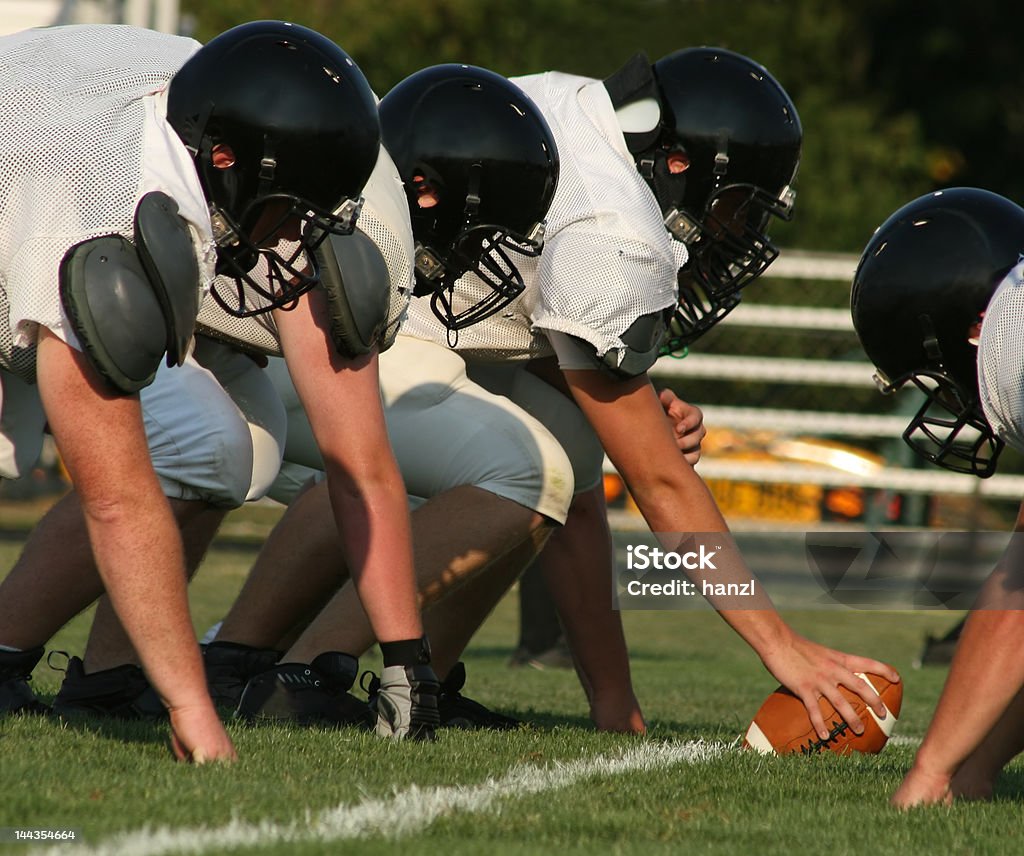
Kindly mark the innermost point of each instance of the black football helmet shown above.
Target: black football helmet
(283, 129)
(721, 163)
(918, 296)
(480, 167)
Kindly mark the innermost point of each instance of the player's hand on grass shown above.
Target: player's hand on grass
(923, 787)
(198, 735)
(811, 672)
(687, 423)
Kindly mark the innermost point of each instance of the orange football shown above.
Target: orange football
(782, 726)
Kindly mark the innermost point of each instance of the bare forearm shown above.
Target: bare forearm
(140, 560)
(377, 539)
(986, 674)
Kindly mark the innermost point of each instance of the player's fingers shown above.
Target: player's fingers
(689, 417)
(863, 665)
(178, 748)
(667, 397)
(810, 701)
(845, 709)
(866, 692)
(867, 666)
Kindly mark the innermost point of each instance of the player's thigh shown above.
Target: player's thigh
(557, 412)
(253, 394)
(448, 431)
(22, 423)
(200, 441)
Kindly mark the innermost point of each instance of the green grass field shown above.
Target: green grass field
(554, 787)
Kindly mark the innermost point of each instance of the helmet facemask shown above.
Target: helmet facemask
(728, 245)
(275, 257)
(696, 312)
(949, 429)
(482, 249)
(485, 251)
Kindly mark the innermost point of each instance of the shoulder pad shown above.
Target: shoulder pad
(643, 342)
(357, 281)
(109, 301)
(165, 248)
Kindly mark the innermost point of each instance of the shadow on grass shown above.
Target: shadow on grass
(503, 652)
(658, 729)
(123, 730)
(1010, 787)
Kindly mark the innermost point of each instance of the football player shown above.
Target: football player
(938, 303)
(483, 211)
(171, 167)
(671, 174)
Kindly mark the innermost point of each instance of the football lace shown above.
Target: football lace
(814, 746)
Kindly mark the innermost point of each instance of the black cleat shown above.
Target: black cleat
(16, 695)
(404, 702)
(122, 692)
(230, 666)
(457, 711)
(317, 694)
(939, 650)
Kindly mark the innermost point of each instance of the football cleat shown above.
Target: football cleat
(314, 694)
(457, 711)
(16, 695)
(404, 701)
(122, 692)
(230, 666)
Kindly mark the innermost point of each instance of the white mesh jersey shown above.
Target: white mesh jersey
(1001, 360)
(608, 258)
(385, 221)
(83, 136)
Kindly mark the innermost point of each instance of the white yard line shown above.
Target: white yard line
(405, 813)
(904, 740)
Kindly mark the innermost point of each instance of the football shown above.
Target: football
(782, 726)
